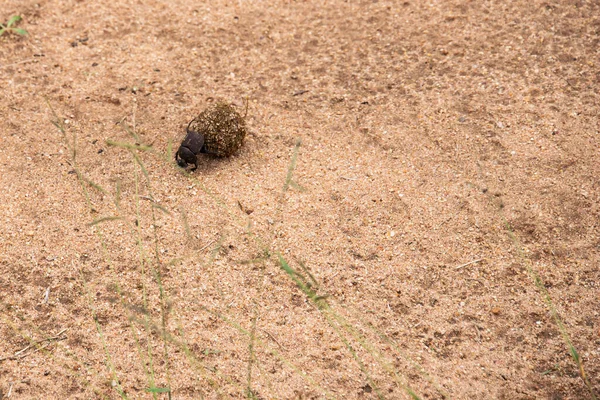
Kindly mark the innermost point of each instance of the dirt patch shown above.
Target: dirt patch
(390, 146)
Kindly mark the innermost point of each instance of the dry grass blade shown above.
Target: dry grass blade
(104, 219)
(128, 146)
(288, 180)
(19, 354)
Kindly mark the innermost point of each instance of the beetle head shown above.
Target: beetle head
(185, 156)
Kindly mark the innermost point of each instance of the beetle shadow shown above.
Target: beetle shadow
(206, 163)
(209, 163)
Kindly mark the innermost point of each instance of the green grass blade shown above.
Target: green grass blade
(20, 31)
(297, 186)
(140, 163)
(406, 357)
(90, 182)
(12, 20)
(252, 356)
(342, 327)
(186, 225)
(170, 150)
(158, 390)
(307, 272)
(291, 168)
(107, 357)
(275, 353)
(131, 131)
(539, 283)
(118, 194)
(149, 369)
(161, 208)
(294, 276)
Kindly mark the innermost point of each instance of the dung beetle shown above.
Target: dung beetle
(192, 144)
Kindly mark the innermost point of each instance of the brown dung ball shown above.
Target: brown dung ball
(223, 129)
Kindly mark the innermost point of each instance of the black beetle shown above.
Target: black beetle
(192, 144)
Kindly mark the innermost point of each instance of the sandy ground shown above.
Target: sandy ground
(422, 132)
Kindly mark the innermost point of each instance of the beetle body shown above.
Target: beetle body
(191, 146)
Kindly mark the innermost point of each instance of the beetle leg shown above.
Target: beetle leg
(204, 150)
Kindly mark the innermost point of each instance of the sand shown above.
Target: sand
(418, 164)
